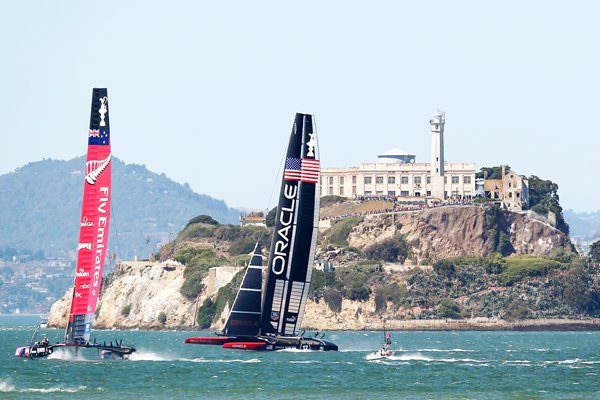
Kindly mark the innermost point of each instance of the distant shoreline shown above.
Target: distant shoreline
(489, 324)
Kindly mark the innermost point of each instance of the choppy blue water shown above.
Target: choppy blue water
(436, 365)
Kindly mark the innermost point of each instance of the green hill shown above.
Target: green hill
(40, 206)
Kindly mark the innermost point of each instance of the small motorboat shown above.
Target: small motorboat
(384, 351)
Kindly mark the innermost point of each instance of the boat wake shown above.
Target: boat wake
(208, 360)
(149, 356)
(68, 355)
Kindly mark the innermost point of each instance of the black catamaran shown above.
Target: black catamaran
(93, 238)
(275, 324)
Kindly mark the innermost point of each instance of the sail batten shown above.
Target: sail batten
(94, 223)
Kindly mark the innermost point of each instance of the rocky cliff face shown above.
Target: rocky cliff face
(151, 288)
(147, 289)
(439, 233)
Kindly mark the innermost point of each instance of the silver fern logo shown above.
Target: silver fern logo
(94, 168)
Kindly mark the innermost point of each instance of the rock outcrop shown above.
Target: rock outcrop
(138, 292)
(439, 233)
(147, 289)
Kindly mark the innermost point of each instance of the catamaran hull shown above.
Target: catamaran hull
(34, 351)
(267, 343)
(105, 351)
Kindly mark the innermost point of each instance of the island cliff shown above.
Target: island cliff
(155, 295)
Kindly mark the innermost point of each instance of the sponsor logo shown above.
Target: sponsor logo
(85, 222)
(275, 316)
(241, 322)
(100, 239)
(84, 246)
(286, 217)
(291, 319)
(94, 133)
(94, 168)
(311, 145)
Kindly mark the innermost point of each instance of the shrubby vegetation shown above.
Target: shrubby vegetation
(523, 267)
(126, 310)
(340, 229)
(332, 199)
(162, 317)
(197, 261)
(393, 250)
(594, 253)
(543, 197)
(206, 314)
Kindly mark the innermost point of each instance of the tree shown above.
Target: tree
(543, 198)
(492, 172)
(594, 253)
(203, 219)
(449, 309)
(391, 250)
(270, 218)
(579, 291)
(444, 268)
(162, 317)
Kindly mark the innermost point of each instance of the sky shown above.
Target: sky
(206, 91)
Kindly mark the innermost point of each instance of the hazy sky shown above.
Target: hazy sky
(206, 92)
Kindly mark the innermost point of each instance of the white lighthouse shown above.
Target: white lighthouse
(437, 155)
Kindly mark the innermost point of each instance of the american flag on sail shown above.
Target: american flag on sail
(305, 170)
(309, 172)
(292, 169)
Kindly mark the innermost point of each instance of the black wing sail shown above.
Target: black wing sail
(244, 317)
(295, 236)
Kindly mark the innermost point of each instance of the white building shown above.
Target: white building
(398, 174)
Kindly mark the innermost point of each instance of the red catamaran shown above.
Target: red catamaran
(93, 238)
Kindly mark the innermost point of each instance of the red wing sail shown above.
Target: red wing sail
(95, 216)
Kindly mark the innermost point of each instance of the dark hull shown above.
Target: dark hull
(114, 351)
(267, 343)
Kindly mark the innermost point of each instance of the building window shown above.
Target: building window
(517, 194)
(429, 193)
(354, 179)
(354, 190)
(445, 179)
(455, 193)
(379, 192)
(341, 180)
(510, 195)
(341, 190)
(428, 180)
(455, 179)
(367, 181)
(379, 179)
(331, 180)
(367, 192)
(418, 180)
(404, 193)
(466, 179)
(404, 179)
(391, 192)
(330, 190)
(391, 179)
(417, 194)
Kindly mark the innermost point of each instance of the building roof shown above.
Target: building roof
(395, 152)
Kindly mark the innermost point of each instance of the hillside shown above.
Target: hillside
(40, 206)
(442, 263)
